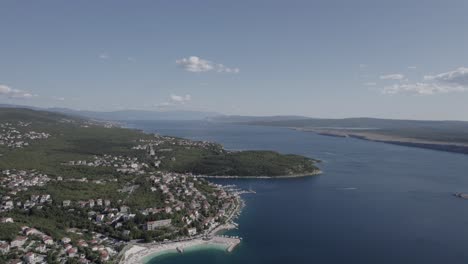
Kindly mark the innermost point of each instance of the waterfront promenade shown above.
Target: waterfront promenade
(139, 252)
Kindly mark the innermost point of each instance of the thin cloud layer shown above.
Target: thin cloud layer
(395, 76)
(447, 82)
(104, 56)
(180, 99)
(197, 64)
(14, 93)
(175, 100)
(458, 77)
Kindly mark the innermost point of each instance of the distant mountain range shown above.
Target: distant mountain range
(127, 115)
(139, 114)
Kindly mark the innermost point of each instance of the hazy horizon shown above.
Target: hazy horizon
(220, 114)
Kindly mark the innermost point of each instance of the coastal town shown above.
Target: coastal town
(14, 135)
(75, 190)
(149, 205)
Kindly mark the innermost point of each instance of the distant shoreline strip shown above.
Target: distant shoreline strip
(299, 175)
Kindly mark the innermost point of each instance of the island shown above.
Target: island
(76, 190)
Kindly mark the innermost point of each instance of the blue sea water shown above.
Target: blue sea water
(374, 203)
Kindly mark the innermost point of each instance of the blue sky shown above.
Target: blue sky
(393, 59)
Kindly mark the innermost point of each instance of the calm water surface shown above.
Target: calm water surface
(375, 202)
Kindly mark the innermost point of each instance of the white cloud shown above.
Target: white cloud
(411, 67)
(180, 99)
(14, 93)
(196, 64)
(422, 88)
(447, 82)
(104, 56)
(458, 77)
(58, 98)
(394, 76)
(175, 100)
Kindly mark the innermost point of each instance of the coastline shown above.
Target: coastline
(297, 175)
(453, 147)
(143, 253)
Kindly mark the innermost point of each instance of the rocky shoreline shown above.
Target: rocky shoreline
(297, 175)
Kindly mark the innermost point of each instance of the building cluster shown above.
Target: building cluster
(181, 198)
(188, 205)
(13, 136)
(160, 148)
(123, 164)
(182, 194)
(163, 143)
(15, 181)
(33, 246)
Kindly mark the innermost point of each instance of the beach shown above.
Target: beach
(140, 253)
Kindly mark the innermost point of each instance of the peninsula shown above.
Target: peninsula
(79, 190)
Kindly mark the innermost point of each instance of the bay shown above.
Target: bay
(374, 203)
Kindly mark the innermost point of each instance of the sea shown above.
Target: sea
(374, 202)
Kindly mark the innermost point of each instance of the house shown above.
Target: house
(124, 209)
(67, 246)
(41, 248)
(4, 247)
(71, 252)
(192, 231)
(152, 225)
(32, 231)
(66, 203)
(104, 255)
(30, 257)
(100, 218)
(18, 241)
(83, 261)
(48, 240)
(82, 243)
(66, 240)
(8, 205)
(7, 220)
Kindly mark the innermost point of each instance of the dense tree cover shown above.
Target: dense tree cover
(251, 163)
(76, 139)
(8, 231)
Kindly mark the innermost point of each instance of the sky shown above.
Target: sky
(329, 59)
